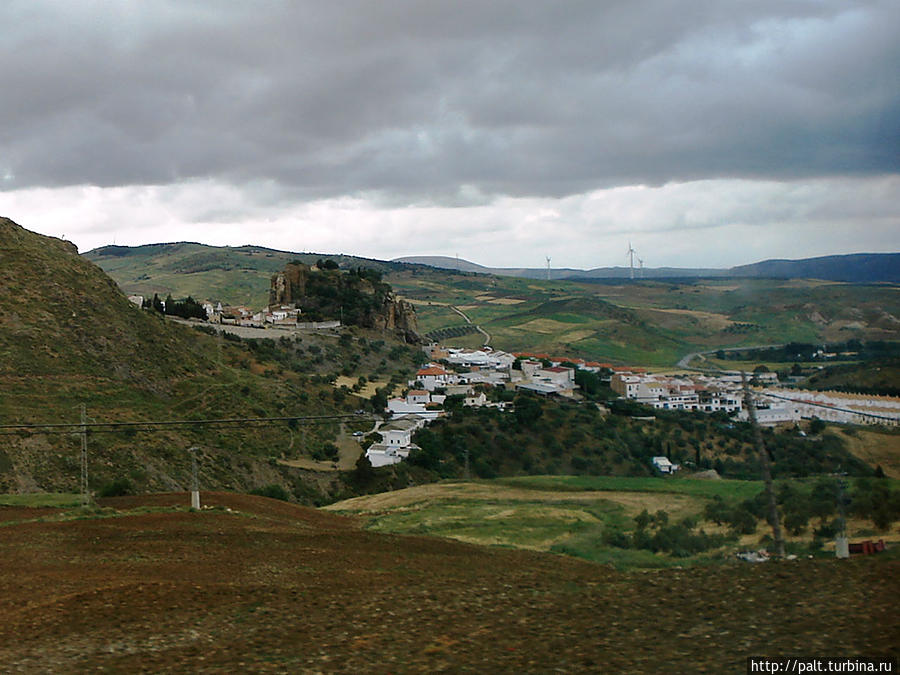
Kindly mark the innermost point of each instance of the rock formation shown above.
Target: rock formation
(359, 295)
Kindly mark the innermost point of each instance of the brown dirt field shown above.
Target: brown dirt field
(272, 587)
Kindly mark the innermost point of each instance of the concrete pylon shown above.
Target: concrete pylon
(195, 481)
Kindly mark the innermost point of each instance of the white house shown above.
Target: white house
(420, 396)
(663, 465)
(475, 399)
(396, 441)
(383, 455)
(434, 377)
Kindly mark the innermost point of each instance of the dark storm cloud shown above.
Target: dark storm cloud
(425, 100)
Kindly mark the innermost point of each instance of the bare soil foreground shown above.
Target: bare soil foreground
(271, 587)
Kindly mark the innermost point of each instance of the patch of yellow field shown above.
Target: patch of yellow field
(714, 321)
(506, 301)
(366, 392)
(484, 297)
(413, 498)
(544, 326)
(576, 335)
(721, 289)
(465, 307)
(874, 448)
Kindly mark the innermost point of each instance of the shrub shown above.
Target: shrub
(272, 492)
(116, 488)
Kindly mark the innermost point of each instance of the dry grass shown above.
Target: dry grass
(544, 326)
(577, 335)
(710, 319)
(367, 391)
(633, 503)
(874, 448)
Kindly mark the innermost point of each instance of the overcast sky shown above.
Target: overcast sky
(706, 132)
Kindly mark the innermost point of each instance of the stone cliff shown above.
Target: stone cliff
(359, 295)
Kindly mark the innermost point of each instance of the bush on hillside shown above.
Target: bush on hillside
(272, 492)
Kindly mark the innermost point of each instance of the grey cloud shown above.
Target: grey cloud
(428, 101)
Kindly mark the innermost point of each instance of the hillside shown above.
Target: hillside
(253, 585)
(648, 322)
(655, 322)
(69, 337)
(857, 268)
(233, 275)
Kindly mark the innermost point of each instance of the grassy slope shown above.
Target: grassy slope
(566, 513)
(233, 275)
(69, 336)
(650, 322)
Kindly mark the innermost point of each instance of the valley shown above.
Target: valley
(522, 515)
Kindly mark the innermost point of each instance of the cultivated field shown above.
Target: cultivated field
(256, 585)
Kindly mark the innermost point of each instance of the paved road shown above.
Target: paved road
(685, 361)
(487, 336)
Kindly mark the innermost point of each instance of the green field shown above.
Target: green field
(41, 500)
(565, 514)
(584, 516)
(648, 322)
(731, 490)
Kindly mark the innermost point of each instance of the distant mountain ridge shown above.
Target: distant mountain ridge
(853, 267)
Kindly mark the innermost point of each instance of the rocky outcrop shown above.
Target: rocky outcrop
(359, 296)
(399, 316)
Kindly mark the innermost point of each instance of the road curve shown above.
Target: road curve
(487, 336)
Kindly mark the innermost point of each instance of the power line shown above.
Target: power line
(69, 427)
(152, 427)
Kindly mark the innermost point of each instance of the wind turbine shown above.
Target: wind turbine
(641, 263)
(548, 268)
(630, 255)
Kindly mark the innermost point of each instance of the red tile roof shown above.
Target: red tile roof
(433, 370)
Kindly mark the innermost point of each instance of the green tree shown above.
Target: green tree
(528, 409)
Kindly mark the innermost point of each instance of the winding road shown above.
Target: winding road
(685, 361)
(487, 336)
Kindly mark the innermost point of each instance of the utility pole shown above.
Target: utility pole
(773, 517)
(841, 542)
(195, 482)
(85, 492)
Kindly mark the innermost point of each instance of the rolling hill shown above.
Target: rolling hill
(233, 275)
(856, 268)
(68, 336)
(655, 323)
